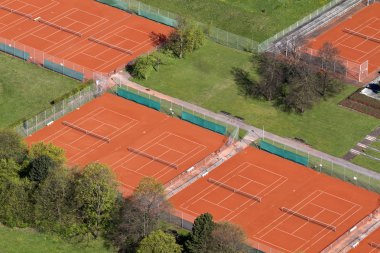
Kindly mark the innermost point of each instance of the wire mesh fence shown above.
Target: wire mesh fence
(58, 110)
(265, 45)
(333, 169)
(217, 35)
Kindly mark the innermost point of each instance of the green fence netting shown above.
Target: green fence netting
(63, 70)
(14, 51)
(138, 99)
(158, 18)
(283, 153)
(204, 123)
(115, 3)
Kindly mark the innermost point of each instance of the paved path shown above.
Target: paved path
(362, 145)
(122, 79)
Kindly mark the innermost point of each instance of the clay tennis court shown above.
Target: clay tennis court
(92, 35)
(133, 140)
(357, 38)
(281, 205)
(371, 244)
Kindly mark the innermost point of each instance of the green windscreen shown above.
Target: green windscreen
(203, 123)
(138, 99)
(14, 51)
(158, 18)
(115, 3)
(63, 70)
(283, 153)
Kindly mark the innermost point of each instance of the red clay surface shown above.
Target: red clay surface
(279, 183)
(365, 245)
(128, 124)
(352, 47)
(91, 19)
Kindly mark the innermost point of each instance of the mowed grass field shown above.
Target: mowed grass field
(29, 241)
(367, 161)
(26, 89)
(205, 78)
(254, 19)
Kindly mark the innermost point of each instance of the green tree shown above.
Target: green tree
(185, 39)
(201, 234)
(12, 146)
(56, 154)
(159, 242)
(9, 170)
(95, 196)
(140, 214)
(227, 238)
(39, 168)
(15, 207)
(54, 204)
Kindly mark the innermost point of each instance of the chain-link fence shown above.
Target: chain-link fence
(58, 110)
(335, 170)
(265, 45)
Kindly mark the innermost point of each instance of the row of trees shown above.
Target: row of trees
(81, 204)
(182, 41)
(295, 81)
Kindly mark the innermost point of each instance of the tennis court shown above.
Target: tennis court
(357, 39)
(282, 206)
(371, 244)
(82, 33)
(133, 140)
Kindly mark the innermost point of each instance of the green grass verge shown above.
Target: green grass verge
(205, 78)
(367, 161)
(30, 241)
(254, 19)
(26, 89)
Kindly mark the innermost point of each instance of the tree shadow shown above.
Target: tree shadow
(158, 38)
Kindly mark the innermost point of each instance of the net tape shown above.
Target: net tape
(361, 35)
(139, 152)
(315, 221)
(245, 194)
(16, 12)
(110, 45)
(375, 245)
(86, 131)
(59, 27)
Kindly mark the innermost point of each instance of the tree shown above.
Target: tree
(54, 208)
(39, 168)
(227, 238)
(140, 215)
(201, 234)
(327, 85)
(144, 65)
(159, 242)
(15, 207)
(9, 170)
(56, 154)
(12, 146)
(185, 39)
(95, 197)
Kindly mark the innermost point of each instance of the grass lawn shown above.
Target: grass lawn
(30, 241)
(254, 19)
(26, 89)
(205, 78)
(367, 161)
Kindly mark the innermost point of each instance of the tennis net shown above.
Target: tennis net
(16, 12)
(375, 245)
(312, 220)
(86, 131)
(110, 45)
(154, 158)
(59, 27)
(361, 35)
(245, 194)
